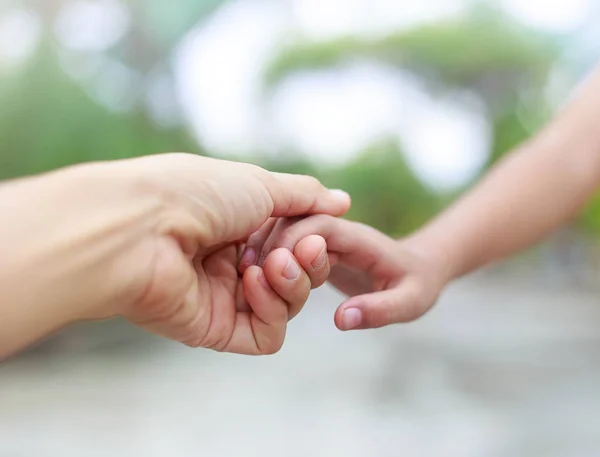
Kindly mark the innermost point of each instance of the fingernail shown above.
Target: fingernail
(320, 261)
(291, 270)
(340, 194)
(248, 257)
(351, 318)
(263, 281)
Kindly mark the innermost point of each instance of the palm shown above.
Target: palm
(389, 268)
(349, 281)
(373, 267)
(237, 317)
(349, 278)
(200, 301)
(219, 294)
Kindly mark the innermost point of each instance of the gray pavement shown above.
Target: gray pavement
(499, 368)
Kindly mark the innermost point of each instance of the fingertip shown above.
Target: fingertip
(295, 195)
(349, 317)
(342, 198)
(280, 264)
(292, 286)
(312, 252)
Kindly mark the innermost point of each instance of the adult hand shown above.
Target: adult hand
(156, 240)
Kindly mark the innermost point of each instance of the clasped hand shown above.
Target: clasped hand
(157, 240)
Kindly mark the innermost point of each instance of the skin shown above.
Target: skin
(156, 240)
(539, 186)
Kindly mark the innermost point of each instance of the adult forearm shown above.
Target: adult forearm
(59, 237)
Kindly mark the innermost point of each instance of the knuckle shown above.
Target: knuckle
(314, 225)
(264, 177)
(414, 299)
(312, 182)
(364, 229)
(386, 313)
(418, 291)
(321, 219)
(316, 183)
(255, 169)
(287, 239)
(253, 242)
(377, 319)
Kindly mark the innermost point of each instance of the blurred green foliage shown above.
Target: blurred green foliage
(484, 52)
(48, 120)
(385, 191)
(503, 64)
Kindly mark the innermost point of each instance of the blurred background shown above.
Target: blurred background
(404, 105)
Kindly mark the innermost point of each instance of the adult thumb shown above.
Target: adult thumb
(299, 195)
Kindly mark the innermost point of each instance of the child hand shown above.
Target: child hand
(389, 281)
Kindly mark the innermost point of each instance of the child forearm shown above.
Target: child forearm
(537, 187)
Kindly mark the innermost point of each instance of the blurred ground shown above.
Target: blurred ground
(501, 367)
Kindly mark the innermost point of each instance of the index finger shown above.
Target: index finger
(359, 246)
